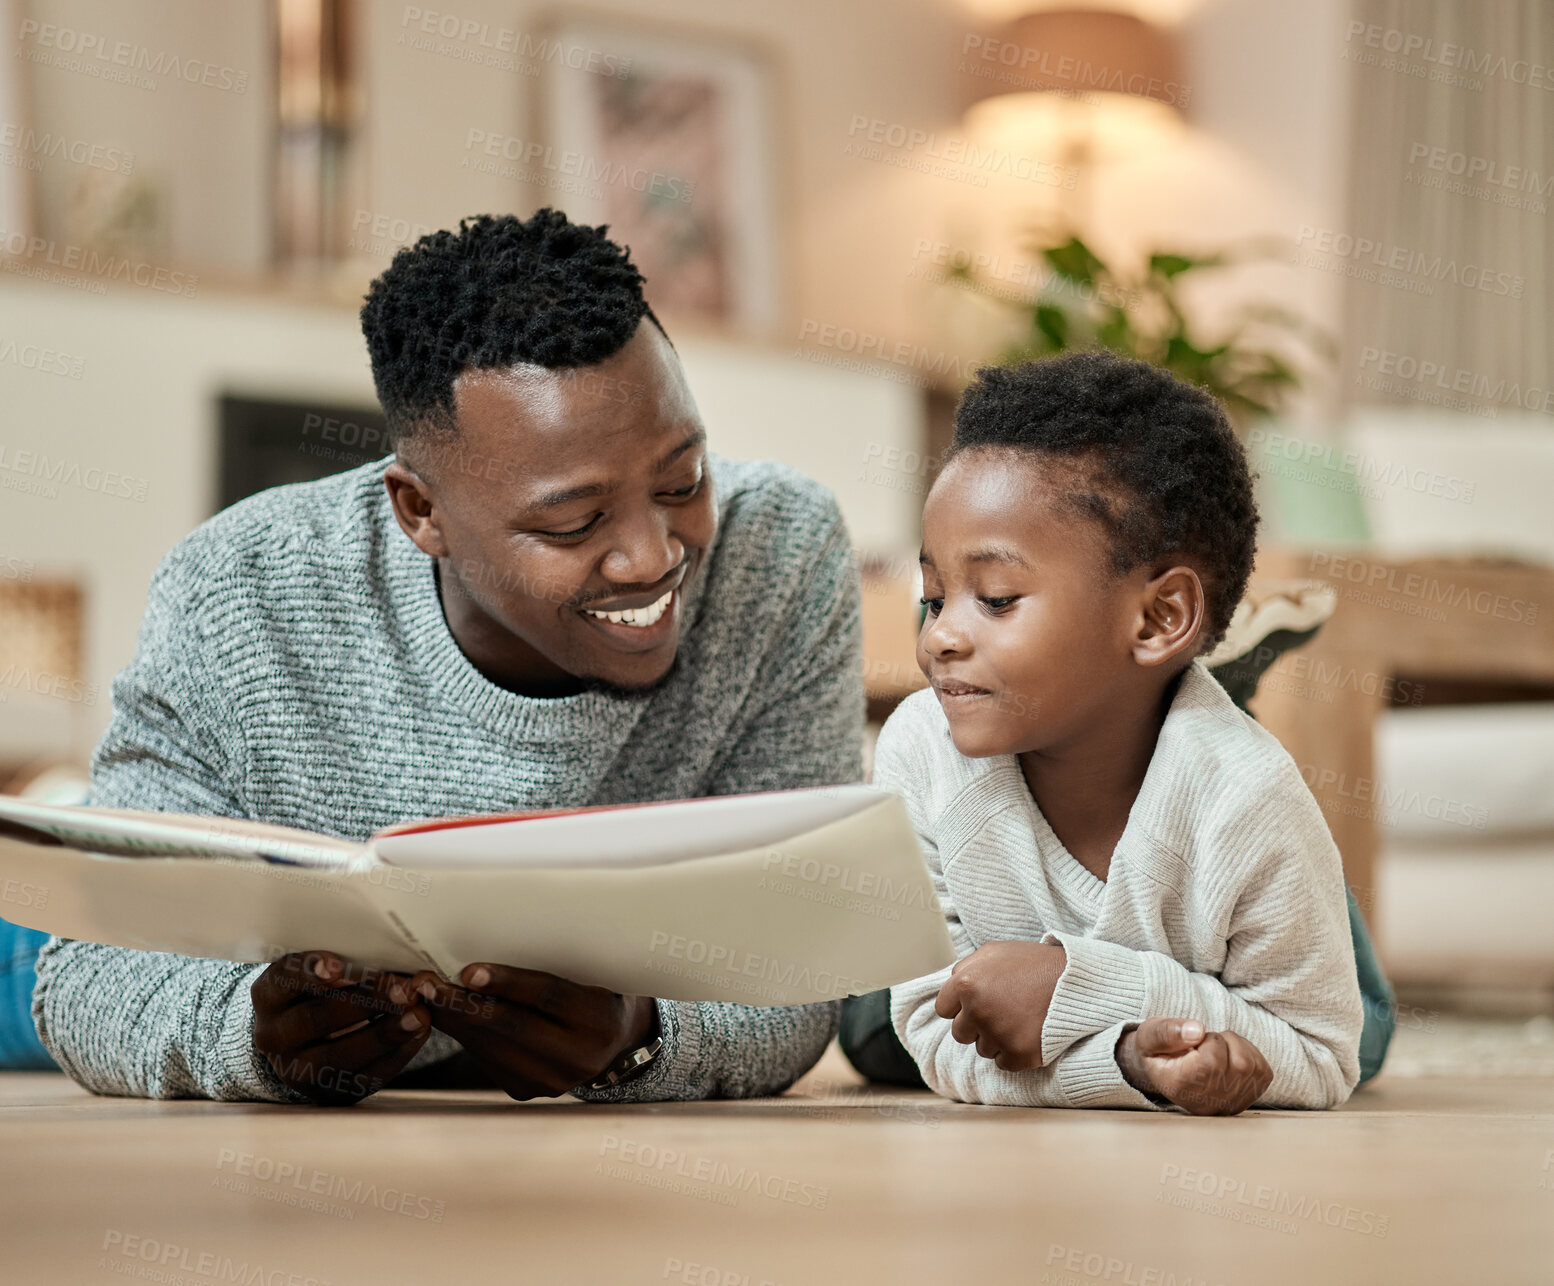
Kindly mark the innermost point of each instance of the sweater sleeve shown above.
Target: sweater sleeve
(805, 727)
(154, 1024)
(1085, 1076)
(806, 731)
(1288, 984)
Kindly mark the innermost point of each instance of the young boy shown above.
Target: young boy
(1147, 904)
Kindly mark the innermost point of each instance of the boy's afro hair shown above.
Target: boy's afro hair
(1156, 462)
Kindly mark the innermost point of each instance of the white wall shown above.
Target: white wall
(1264, 154)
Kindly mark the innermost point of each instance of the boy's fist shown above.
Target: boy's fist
(998, 998)
(1214, 1073)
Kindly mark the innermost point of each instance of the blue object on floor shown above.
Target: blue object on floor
(20, 1048)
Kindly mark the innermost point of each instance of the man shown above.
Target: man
(551, 596)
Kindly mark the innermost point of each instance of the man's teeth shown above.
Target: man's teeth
(637, 615)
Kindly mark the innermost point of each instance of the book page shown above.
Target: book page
(224, 908)
(633, 835)
(840, 909)
(127, 833)
(837, 909)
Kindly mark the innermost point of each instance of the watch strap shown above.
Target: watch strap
(629, 1063)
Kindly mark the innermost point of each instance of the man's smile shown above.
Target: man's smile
(643, 621)
(635, 616)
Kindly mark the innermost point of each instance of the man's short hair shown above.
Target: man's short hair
(497, 292)
(1154, 460)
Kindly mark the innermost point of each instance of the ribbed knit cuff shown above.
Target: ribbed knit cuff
(1101, 984)
(246, 1073)
(1089, 1076)
(673, 1067)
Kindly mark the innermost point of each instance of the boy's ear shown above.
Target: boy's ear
(1171, 616)
(415, 508)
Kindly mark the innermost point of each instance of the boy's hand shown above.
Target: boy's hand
(334, 1032)
(536, 1035)
(999, 996)
(1216, 1073)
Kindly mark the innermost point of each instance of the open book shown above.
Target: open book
(774, 899)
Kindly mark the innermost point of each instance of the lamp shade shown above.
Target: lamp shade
(1112, 74)
(1082, 51)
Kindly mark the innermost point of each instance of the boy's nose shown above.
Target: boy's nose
(942, 637)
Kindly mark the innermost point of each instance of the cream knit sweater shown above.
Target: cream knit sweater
(1224, 902)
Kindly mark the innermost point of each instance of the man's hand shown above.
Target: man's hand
(336, 1033)
(1216, 1073)
(536, 1035)
(999, 996)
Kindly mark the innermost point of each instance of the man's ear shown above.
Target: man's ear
(415, 508)
(1171, 616)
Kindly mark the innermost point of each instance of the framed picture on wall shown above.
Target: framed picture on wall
(668, 135)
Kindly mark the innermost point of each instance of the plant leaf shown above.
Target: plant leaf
(1075, 261)
(1052, 322)
(1169, 265)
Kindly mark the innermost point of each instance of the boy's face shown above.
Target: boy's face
(1029, 636)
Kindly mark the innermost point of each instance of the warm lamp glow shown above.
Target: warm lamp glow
(1101, 126)
(1160, 12)
(1093, 84)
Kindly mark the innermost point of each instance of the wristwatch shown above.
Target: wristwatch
(629, 1064)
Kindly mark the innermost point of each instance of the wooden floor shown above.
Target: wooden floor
(1415, 1181)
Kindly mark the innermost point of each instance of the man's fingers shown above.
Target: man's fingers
(480, 1016)
(544, 991)
(521, 1049)
(426, 984)
(339, 1009)
(296, 977)
(947, 1003)
(370, 1053)
(303, 975)
(324, 1018)
(1157, 1036)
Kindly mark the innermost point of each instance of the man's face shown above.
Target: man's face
(566, 498)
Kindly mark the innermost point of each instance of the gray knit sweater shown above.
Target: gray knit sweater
(294, 666)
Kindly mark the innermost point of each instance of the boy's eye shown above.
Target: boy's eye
(934, 605)
(997, 604)
(685, 492)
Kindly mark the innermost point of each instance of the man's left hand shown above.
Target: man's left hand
(534, 1034)
(998, 997)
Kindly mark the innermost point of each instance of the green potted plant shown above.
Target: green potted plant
(1086, 302)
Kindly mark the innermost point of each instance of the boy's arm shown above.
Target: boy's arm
(144, 1023)
(1288, 984)
(808, 731)
(1086, 1076)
